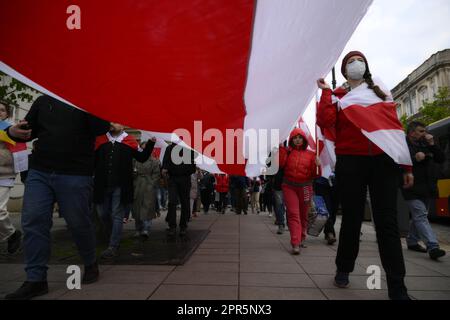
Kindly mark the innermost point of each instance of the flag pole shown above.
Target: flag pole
(317, 139)
(333, 75)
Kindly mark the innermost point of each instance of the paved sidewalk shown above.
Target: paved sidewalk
(244, 259)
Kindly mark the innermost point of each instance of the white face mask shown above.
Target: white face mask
(356, 70)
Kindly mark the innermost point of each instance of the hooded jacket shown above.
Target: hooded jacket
(298, 163)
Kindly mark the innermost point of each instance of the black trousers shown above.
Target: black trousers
(381, 174)
(268, 201)
(241, 202)
(331, 198)
(207, 196)
(179, 188)
(222, 201)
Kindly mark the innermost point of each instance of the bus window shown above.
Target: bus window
(444, 168)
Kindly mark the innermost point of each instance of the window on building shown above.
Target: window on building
(399, 110)
(423, 95)
(413, 104)
(433, 90)
(408, 107)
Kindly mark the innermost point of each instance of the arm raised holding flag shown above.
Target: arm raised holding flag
(370, 149)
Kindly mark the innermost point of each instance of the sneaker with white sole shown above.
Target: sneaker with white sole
(109, 253)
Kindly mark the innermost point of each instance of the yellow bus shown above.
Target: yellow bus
(441, 132)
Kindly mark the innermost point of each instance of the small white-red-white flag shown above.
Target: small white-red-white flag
(311, 143)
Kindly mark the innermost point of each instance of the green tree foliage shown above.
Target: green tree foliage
(13, 92)
(433, 111)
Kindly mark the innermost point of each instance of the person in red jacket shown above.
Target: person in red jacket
(300, 169)
(362, 164)
(222, 187)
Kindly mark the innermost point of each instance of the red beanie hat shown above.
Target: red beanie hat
(347, 57)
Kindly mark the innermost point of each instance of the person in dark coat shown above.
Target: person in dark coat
(425, 155)
(179, 173)
(60, 171)
(113, 180)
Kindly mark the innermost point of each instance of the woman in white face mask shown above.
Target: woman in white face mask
(371, 153)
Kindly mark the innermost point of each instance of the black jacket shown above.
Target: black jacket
(66, 137)
(126, 156)
(425, 172)
(207, 182)
(182, 169)
(239, 182)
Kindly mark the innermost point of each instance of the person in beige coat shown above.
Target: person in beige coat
(7, 177)
(144, 203)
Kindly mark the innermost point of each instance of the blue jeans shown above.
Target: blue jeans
(162, 195)
(112, 212)
(279, 207)
(73, 195)
(420, 227)
(143, 225)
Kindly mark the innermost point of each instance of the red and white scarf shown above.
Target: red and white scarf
(123, 138)
(377, 120)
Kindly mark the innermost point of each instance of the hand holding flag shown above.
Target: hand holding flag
(18, 131)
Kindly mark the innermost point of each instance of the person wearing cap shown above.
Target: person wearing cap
(299, 165)
(361, 163)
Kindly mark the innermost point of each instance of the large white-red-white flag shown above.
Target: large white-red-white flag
(378, 120)
(163, 65)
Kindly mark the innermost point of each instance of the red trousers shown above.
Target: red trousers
(297, 202)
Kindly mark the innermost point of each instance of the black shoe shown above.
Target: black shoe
(91, 274)
(417, 248)
(144, 235)
(183, 232)
(436, 253)
(403, 296)
(14, 242)
(341, 280)
(280, 229)
(172, 232)
(29, 290)
(331, 239)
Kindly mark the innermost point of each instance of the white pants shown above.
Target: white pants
(6, 227)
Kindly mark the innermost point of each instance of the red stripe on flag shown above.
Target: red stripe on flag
(380, 116)
(152, 65)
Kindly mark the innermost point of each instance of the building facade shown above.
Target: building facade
(422, 84)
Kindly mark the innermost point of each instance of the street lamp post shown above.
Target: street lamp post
(333, 81)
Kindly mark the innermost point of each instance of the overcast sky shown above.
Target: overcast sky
(397, 36)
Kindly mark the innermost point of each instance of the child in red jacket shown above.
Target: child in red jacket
(300, 169)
